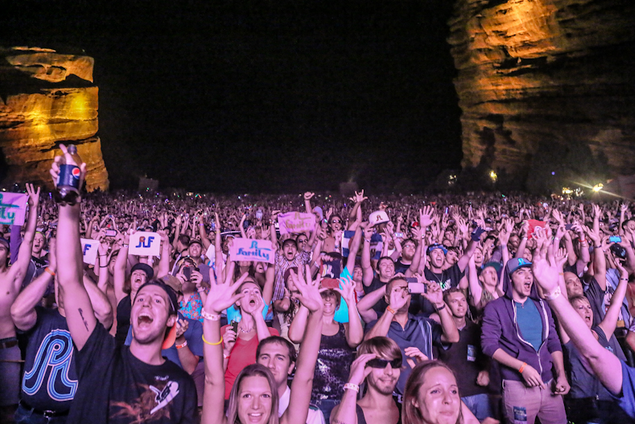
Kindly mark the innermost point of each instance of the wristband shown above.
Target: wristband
(351, 386)
(181, 346)
(124, 245)
(209, 316)
(50, 271)
(212, 344)
(391, 310)
(556, 293)
(624, 279)
(441, 308)
(522, 367)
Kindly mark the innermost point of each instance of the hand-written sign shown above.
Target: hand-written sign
(296, 222)
(145, 244)
(89, 250)
(376, 245)
(251, 250)
(12, 208)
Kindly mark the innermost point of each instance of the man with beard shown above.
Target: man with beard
(378, 364)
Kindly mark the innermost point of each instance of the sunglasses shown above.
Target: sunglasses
(336, 221)
(383, 363)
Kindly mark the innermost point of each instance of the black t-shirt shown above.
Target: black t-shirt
(50, 378)
(116, 387)
(123, 320)
(466, 359)
(449, 278)
(400, 267)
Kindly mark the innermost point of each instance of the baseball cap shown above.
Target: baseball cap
(170, 336)
(515, 263)
(437, 246)
(145, 268)
(378, 217)
(4, 242)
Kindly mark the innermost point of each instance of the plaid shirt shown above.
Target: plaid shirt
(282, 265)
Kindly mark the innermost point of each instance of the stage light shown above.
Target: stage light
(598, 187)
(493, 176)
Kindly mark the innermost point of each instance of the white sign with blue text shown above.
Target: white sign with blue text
(89, 250)
(251, 250)
(145, 244)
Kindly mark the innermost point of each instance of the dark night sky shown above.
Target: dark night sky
(261, 96)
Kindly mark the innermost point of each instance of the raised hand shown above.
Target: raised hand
(347, 291)
(55, 166)
(181, 327)
(399, 297)
(308, 195)
(414, 356)
(309, 292)
(229, 341)
(426, 216)
(434, 294)
(34, 196)
(359, 371)
(222, 296)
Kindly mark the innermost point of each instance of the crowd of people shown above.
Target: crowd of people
(399, 309)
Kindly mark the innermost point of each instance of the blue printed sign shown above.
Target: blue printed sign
(251, 250)
(12, 208)
(145, 244)
(89, 250)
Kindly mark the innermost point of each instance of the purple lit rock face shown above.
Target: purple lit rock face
(546, 85)
(47, 98)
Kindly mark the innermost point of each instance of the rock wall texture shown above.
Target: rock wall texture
(546, 88)
(48, 98)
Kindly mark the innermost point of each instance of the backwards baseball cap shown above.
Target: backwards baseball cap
(437, 246)
(170, 335)
(378, 217)
(145, 268)
(515, 263)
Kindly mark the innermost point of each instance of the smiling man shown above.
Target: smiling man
(518, 331)
(120, 384)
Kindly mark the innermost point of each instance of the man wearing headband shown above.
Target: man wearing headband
(378, 364)
(120, 384)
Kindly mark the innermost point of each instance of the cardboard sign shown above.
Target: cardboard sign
(13, 208)
(376, 245)
(89, 249)
(145, 244)
(533, 223)
(296, 222)
(252, 250)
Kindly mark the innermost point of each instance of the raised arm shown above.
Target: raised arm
(18, 270)
(101, 305)
(119, 272)
(605, 365)
(367, 269)
(221, 297)
(434, 295)
(80, 316)
(303, 380)
(609, 322)
(23, 308)
(353, 248)
(354, 328)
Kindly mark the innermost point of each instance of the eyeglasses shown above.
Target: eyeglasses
(383, 363)
(336, 221)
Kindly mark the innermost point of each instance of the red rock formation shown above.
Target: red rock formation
(48, 98)
(546, 86)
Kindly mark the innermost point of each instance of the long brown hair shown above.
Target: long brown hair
(410, 413)
(253, 370)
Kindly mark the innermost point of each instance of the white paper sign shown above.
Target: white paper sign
(145, 244)
(89, 249)
(251, 250)
(12, 208)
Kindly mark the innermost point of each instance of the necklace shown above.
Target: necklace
(242, 330)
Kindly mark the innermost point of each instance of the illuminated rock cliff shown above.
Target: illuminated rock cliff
(546, 86)
(48, 98)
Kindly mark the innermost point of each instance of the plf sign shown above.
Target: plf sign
(296, 222)
(12, 208)
(145, 244)
(252, 250)
(89, 250)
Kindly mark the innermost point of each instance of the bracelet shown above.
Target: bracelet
(624, 279)
(212, 344)
(50, 271)
(181, 346)
(209, 316)
(556, 293)
(124, 245)
(391, 310)
(351, 386)
(441, 308)
(522, 367)
(582, 240)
